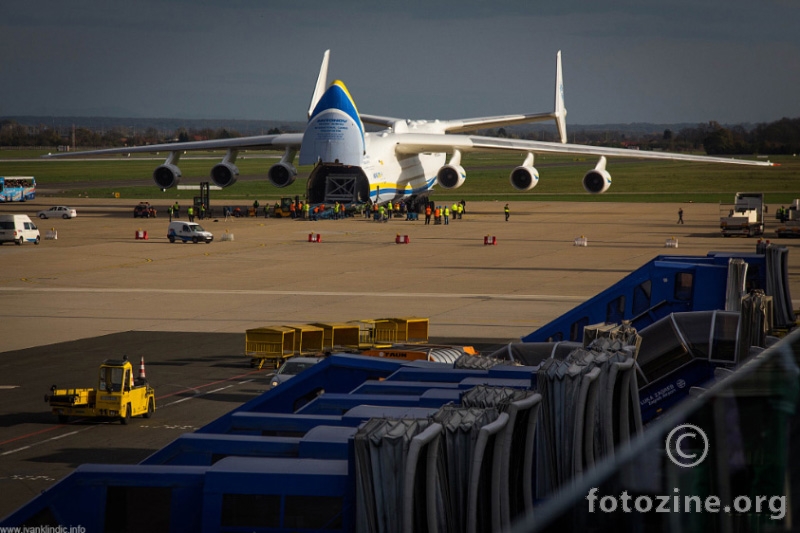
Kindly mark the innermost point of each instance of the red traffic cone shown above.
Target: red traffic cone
(141, 369)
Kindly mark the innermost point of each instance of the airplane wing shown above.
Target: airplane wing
(416, 143)
(266, 142)
(464, 124)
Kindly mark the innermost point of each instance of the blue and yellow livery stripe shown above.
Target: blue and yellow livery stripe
(391, 189)
(337, 96)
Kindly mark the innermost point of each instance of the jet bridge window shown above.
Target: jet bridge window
(615, 310)
(641, 298)
(576, 329)
(138, 509)
(251, 510)
(684, 285)
(327, 512)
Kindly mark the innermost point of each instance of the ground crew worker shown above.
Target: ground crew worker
(190, 212)
(381, 213)
(680, 215)
(306, 209)
(427, 213)
(506, 211)
(336, 211)
(177, 210)
(460, 209)
(437, 215)
(389, 210)
(292, 211)
(446, 215)
(169, 210)
(202, 211)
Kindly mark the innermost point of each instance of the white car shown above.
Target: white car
(291, 368)
(58, 211)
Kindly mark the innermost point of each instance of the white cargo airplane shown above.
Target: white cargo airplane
(403, 161)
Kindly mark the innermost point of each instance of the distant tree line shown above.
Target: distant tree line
(779, 137)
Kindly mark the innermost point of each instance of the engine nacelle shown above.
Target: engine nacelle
(224, 174)
(282, 174)
(596, 181)
(167, 176)
(524, 178)
(451, 176)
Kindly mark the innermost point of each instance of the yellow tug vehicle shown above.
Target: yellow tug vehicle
(118, 395)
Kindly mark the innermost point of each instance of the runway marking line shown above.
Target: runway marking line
(205, 385)
(9, 452)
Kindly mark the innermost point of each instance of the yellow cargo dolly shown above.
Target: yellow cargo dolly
(411, 329)
(308, 339)
(339, 335)
(375, 333)
(269, 345)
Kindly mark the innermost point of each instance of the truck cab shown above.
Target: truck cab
(180, 230)
(745, 217)
(118, 395)
(18, 229)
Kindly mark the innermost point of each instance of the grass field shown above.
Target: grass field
(487, 178)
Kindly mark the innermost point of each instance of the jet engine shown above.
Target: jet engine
(524, 178)
(597, 180)
(282, 174)
(451, 176)
(167, 176)
(224, 174)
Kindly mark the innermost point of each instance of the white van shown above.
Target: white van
(188, 231)
(18, 229)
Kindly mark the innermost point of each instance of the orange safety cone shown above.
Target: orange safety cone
(141, 369)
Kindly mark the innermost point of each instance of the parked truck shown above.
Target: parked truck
(788, 220)
(118, 395)
(744, 217)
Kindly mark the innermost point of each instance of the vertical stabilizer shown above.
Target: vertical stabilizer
(560, 110)
(322, 81)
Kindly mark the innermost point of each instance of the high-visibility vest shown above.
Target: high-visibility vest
(428, 210)
(437, 212)
(446, 211)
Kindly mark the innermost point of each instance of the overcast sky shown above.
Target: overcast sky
(624, 61)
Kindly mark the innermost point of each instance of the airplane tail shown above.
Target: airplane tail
(560, 111)
(322, 82)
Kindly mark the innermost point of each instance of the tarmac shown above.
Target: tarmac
(96, 292)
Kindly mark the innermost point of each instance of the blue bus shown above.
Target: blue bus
(17, 188)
